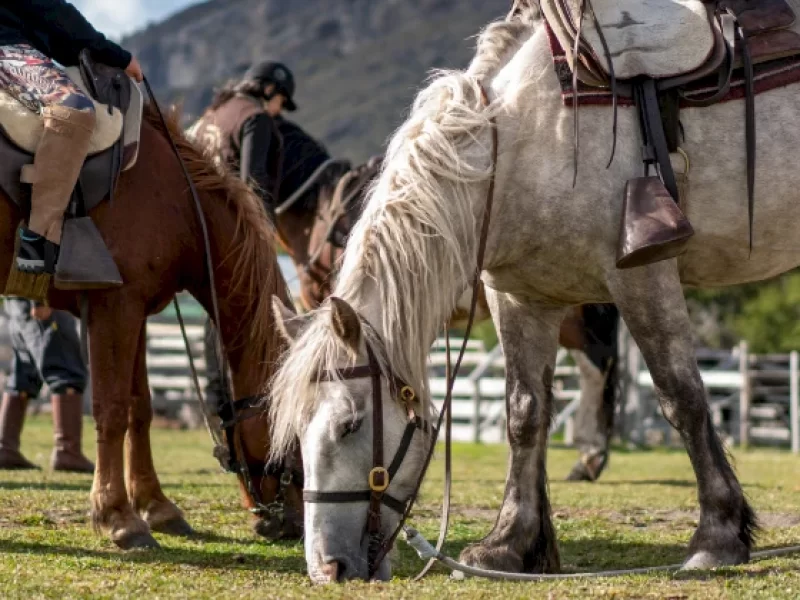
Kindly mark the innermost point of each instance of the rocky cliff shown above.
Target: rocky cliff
(358, 63)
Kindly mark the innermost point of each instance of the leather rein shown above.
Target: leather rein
(229, 450)
(380, 477)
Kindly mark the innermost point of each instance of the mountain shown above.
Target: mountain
(358, 63)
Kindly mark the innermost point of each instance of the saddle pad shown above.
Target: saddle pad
(653, 38)
(766, 76)
(24, 127)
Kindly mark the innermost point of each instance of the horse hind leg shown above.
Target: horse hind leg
(113, 352)
(651, 301)
(523, 537)
(144, 488)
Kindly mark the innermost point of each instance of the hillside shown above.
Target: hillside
(358, 63)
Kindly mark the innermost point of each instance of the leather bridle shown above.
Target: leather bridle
(232, 414)
(380, 477)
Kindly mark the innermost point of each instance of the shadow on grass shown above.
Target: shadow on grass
(48, 485)
(196, 557)
(599, 554)
(688, 483)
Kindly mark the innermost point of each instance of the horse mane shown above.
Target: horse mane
(256, 275)
(416, 242)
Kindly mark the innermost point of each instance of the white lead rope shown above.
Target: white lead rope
(427, 552)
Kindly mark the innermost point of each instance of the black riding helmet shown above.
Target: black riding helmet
(278, 74)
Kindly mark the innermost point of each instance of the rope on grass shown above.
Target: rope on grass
(427, 552)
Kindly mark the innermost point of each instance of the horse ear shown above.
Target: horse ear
(345, 322)
(289, 323)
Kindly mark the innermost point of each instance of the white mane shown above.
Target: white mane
(416, 243)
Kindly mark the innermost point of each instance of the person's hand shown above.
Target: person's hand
(134, 70)
(41, 313)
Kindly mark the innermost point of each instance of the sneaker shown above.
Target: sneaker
(36, 254)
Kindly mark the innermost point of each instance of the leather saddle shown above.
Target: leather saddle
(650, 50)
(84, 261)
(674, 42)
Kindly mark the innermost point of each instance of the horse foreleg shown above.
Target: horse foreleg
(523, 537)
(144, 489)
(592, 421)
(651, 301)
(114, 326)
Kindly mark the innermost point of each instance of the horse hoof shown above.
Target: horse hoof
(493, 558)
(175, 526)
(704, 560)
(137, 541)
(589, 467)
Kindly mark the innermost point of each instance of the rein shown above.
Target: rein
(307, 184)
(228, 457)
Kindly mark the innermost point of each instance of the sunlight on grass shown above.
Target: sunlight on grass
(641, 513)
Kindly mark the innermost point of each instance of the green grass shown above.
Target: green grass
(641, 513)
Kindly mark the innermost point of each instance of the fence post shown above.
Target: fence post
(744, 395)
(476, 401)
(794, 402)
(633, 401)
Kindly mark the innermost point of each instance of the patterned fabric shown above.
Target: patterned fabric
(36, 81)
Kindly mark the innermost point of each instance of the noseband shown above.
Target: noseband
(233, 413)
(380, 477)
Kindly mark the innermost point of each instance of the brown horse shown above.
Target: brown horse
(154, 235)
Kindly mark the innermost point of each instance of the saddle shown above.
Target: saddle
(649, 51)
(84, 261)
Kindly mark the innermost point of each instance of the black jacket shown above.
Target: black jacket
(254, 161)
(58, 30)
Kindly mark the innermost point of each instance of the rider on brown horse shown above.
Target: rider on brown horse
(34, 34)
(239, 127)
(239, 130)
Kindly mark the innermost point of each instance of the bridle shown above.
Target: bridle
(232, 413)
(285, 472)
(379, 477)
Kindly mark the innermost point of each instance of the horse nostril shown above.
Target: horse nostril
(332, 571)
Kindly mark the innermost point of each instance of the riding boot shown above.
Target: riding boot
(56, 166)
(12, 417)
(67, 426)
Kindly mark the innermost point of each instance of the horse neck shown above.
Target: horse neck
(248, 334)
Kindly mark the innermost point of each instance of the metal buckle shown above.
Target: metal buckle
(407, 394)
(375, 487)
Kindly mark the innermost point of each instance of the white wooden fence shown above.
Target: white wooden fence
(753, 399)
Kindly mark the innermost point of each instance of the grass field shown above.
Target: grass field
(641, 513)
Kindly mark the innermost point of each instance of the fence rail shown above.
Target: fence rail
(753, 398)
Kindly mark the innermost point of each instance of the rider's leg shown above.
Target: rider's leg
(69, 121)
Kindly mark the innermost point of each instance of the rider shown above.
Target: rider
(36, 38)
(239, 127)
(239, 130)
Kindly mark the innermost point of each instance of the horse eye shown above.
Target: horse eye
(351, 427)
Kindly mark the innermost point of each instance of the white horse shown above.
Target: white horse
(550, 246)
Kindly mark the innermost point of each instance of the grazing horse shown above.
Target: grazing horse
(550, 245)
(154, 234)
(325, 202)
(322, 200)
